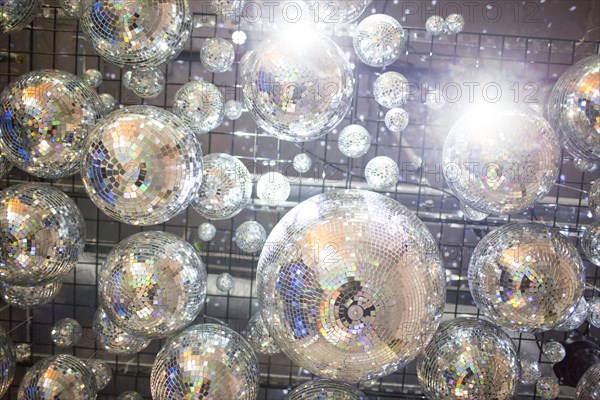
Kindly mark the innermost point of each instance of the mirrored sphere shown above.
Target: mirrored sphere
(71, 7)
(391, 89)
(588, 387)
(66, 332)
(354, 141)
(273, 188)
(526, 277)
(382, 173)
(259, 337)
(201, 105)
(233, 109)
(217, 54)
(114, 339)
(554, 351)
(435, 25)
(396, 120)
(576, 317)
(138, 33)
(455, 23)
(8, 362)
(23, 352)
(469, 358)
(351, 285)
(152, 284)
(325, 390)
(488, 172)
(58, 377)
(101, 372)
(142, 165)
(547, 387)
(47, 116)
(583, 165)
(472, 214)
(226, 187)
(297, 88)
(379, 40)
(573, 108)
(590, 243)
(530, 372)
(92, 78)
(337, 11)
(16, 14)
(5, 166)
(42, 234)
(29, 296)
(130, 396)
(250, 236)
(594, 312)
(594, 199)
(225, 282)
(229, 8)
(206, 232)
(211, 361)
(302, 163)
(145, 82)
(108, 101)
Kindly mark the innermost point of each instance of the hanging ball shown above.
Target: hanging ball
(259, 337)
(354, 141)
(225, 282)
(201, 105)
(554, 351)
(324, 390)
(379, 40)
(66, 332)
(273, 188)
(29, 296)
(92, 78)
(147, 83)
(250, 236)
(113, 339)
(101, 372)
(547, 387)
(206, 232)
(382, 173)
(217, 54)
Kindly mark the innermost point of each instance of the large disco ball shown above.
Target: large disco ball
(325, 390)
(351, 285)
(47, 116)
(114, 339)
(152, 284)
(137, 33)
(469, 358)
(142, 165)
(573, 108)
(588, 387)
(526, 277)
(29, 296)
(488, 172)
(58, 377)
(297, 90)
(379, 40)
(205, 362)
(16, 14)
(42, 234)
(226, 188)
(8, 362)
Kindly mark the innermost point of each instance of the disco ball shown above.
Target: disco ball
(233, 109)
(576, 317)
(145, 82)
(109, 102)
(207, 232)
(226, 187)
(472, 214)
(297, 89)
(23, 352)
(101, 372)
(225, 282)
(209, 361)
(396, 120)
(454, 23)
(47, 116)
(92, 78)
(273, 188)
(594, 199)
(259, 337)
(71, 7)
(530, 372)
(583, 165)
(142, 165)
(588, 387)
(230, 8)
(547, 387)
(435, 25)
(130, 396)
(5, 166)
(526, 277)
(391, 90)
(573, 108)
(382, 173)
(217, 54)
(66, 332)
(29, 296)
(152, 284)
(351, 285)
(379, 39)
(337, 11)
(58, 377)
(469, 358)
(8, 362)
(554, 351)
(16, 14)
(42, 234)
(113, 339)
(325, 390)
(594, 312)
(137, 33)
(354, 141)
(201, 105)
(485, 169)
(250, 236)
(590, 243)
(302, 163)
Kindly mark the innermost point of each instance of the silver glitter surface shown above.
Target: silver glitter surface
(576, 317)
(225, 282)
(391, 90)
(547, 387)
(594, 199)
(435, 25)
(201, 105)
(382, 173)
(101, 372)
(354, 141)
(8, 362)
(594, 312)
(205, 362)
(233, 109)
(396, 120)
(42, 234)
(530, 372)
(92, 78)
(469, 358)
(455, 23)
(351, 285)
(526, 277)
(109, 102)
(71, 7)
(152, 284)
(142, 165)
(379, 40)
(229, 8)
(250, 236)
(217, 54)
(259, 337)
(206, 232)
(114, 339)
(47, 115)
(16, 14)
(588, 387)
(554, 351)
(29, 296)
(145, 82)
(273, 188)
(325, 390)
(66, 332)
(23, 352)
(302, 163)
(590, 243)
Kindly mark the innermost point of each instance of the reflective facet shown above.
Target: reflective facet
(66, 332)
(382, 173)
(250, 236)
(588, 387)
(101, 372)
(201, 105)
(71, 7)
(354, 141)
(259, 337)
(29, 296)
(325, 390)
(114, 339)
(554, 351)
(217, 54)
(379, 39)
(16, 14)
(391, 90)
(273, 188)
(206, 232)
(145, 82)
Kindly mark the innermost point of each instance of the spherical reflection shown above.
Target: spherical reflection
(391, 90)
(233, 109)
(152, 284)
(396, 120)
(207, 232)
(250, 236)
(302, 163)
(435, 25)
(576, 317)
(201, 105)
(29, 296)
(145, 82)
(594, 199)
(92, 78)
(526, 277)
(225, 282)
(114, 339)
(485, 169)
(455, 23)
(351, 285)
(8, 362)
(469, 358)
(211, 361)
(588, 387)
(259, 337)
(382, 173)
(229, 8)
(547, 387)
(217, 55)
(130, 396)
(66, 332)
(23, 352)
(16, 14)
(594, 312)
(325, 390)
(109, 102)
(354, 141)
(101, 372)
(273, 188)
(590, 243)
(379, 39)
(472, 214)
(554, 351)
(297, 89)
(530, 372)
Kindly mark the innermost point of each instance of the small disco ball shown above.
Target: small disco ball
(113, 339)
(379, 40)
(226, 187)
(354, 141)
(92, 78)
(225, 282)
(109, 102)
(469, 358)
(454, 24)
(16, 14)
(485, 169)
(547, 387)
(382, 173)
(325, 390)
(47, 115)
(312, 91)
(138, 33)
(71, 7)
(29, 296)
(337, 11)
(391, 90)
(42, 234)
(351, 284)
(206, 232)
(576, 317)
(217, 54)
(233, 109)
(530, 372)
(142, 165)
(66, 332)
(435, 25)
(229, 8)
(554, 351)
(201, 105)
(573, 108)
(588, 387)
(152, 284)
(210, 361)
(145, 82)
(396, 120)
(594, 199)
(5, 166)
(58, 377)
(302, 163)
(583, 165)
(8, 362)
(594, 312)
(22, 352)
(526, 277)
(130, 396)
(250, 236)
(101, 372)
(273, 188)
(472, 214)
(590, 243)
(259, 337)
